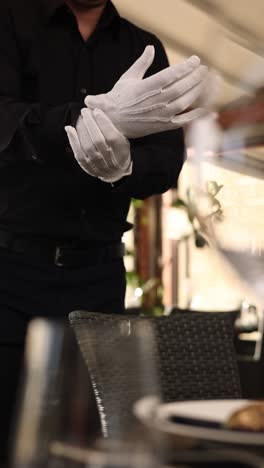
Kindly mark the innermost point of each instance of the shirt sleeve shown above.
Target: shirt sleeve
(157, 159)
(26, 124)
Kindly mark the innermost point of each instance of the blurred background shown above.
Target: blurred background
(168, 262)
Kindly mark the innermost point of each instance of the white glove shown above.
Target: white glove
(140, 107)
(99, 148)
(210, 94)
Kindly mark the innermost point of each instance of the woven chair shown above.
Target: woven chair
(194, 354)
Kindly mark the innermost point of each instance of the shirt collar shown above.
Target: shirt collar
(110, 13)
(50, 6)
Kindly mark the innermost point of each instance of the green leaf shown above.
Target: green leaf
(216, 205)
(179, 204)
(158, 311)
(137, 203)
(219, 216)
(132, 277)
(213, 188)
(130, 253)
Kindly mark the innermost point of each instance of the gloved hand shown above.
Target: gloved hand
(140, 107)
(99, 148)
(210, 94)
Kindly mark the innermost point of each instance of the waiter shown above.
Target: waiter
(65, 195)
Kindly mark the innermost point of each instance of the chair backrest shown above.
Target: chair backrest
(194, 352)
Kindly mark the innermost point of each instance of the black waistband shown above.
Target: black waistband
(64, 252)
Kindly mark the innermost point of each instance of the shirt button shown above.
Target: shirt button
(34, 157)
(68, 149)
(83, 90)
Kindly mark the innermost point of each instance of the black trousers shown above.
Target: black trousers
(31, 289)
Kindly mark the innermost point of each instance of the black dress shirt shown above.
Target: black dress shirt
(46, 70)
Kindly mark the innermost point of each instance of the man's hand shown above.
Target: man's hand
(139, 107)
(99, 148)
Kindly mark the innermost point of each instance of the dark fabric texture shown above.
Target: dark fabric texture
(193, 353)
(46, 72)
(11, 362)
(29, 288)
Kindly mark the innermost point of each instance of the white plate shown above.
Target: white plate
(202, 412)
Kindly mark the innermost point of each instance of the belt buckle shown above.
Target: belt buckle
(58, 257)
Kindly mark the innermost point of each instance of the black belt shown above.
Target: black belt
(65, 253)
